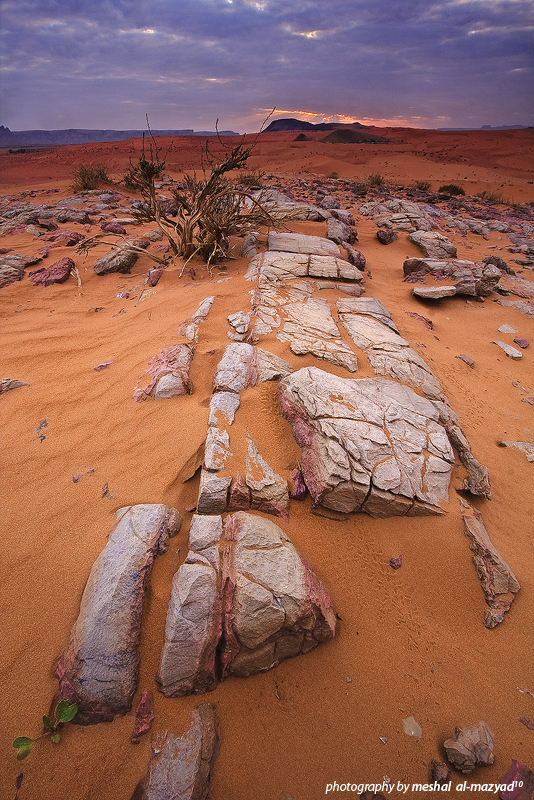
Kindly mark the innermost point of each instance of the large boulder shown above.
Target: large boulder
(180, 768)
(241, 603)
(368, 444)
(300, 243)
(121, 258)
(468, 278)
(433, 245)
(99, 668)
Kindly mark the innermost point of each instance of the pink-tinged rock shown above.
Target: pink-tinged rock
(154, 274)
(243, 365)
(180, 768)
(194, 617)
(478, 480)
(523, 343)
(113, 227)
(168, 373)
(143, 718)
(498, 582)
(212, 493)
(57, 273)
(262, 489)
(66, 238)
(339, 232)
(387, 236)
(467, 360)
(241, 603)
(99, 668)
(439, 772)
(470, 747)
(103, 365)
(395, 563)
(7, 384)
(354, 257)
(468, 278)
(367, 444)
(299, 489)
(519, 782)
(300, 243)
(71, 215)
(426, 322)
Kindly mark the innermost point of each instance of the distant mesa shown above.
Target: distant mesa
(293, 124)
(87, 136)
(488, 128)
(348, 136)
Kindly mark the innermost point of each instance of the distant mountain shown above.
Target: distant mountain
(293, 124)
(347, 136)
(487, 128)
(86, 136)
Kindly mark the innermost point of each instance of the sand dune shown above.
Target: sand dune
(409, 642)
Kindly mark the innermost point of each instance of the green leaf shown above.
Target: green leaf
(56, 738)
(47, 722)
(66, 712)
(24, 751)
(23, 741)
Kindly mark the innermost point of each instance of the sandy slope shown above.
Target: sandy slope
(409, 642)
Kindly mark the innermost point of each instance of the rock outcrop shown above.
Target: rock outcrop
(243, 601)
(59, 272)
(180, 768)
(168, 373)
(468, 278)
(299, 243)
(190, 327)
(367, 444)
(262, 488)
(433, 245)
(498, 582)
(272, 267)
(470, 747)
(243, 365)
(98, 669)
(121, 258)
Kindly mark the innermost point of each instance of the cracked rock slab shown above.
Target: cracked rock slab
(387, 351)
(168, 373)
(121, 258)
(180, 768)
(273, 267)
(367, 444)
(262, 490)
(498, 582)
(310, 328)
(243, 365)
(99, 668)
(300, 243)
(212, 493)
(468, 277)
(243, 602)
(433, 245)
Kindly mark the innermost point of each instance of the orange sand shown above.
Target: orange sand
(410, 642)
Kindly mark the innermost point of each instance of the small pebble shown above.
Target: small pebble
(523, 343)
(395, 563)
(469, 361)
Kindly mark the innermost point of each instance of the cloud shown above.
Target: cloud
(68, 63)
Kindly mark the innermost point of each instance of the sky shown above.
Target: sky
(106, 63)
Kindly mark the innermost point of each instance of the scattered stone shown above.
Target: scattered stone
(154, 274)
(411, 727)
(98, 669)
(498, 262)
(519, 782)
(250, 245)
(70, 215)
(395, 563)
(189, 329)
(113, 227)
(143, 718)
(121, 258)
(7, 384)
(339, 232)
(510, 351)
(299, 243)
(9, 274)
(387, 236)
(467, 360)
(434, 292)
(439, 772)
(58, 273)
(169, 374)
(354, 257)
(309, 328)
(368, 445)
(212, 493)
(426, 322)
(470, 747)
(240, 604)
(469, 278)
(527, 722)
(524, 447)
(498, 582)
(180, 768)
(329, 201)
(433, 245)
(523, 343)
(153, 236)
(506, 329)
(240, 322)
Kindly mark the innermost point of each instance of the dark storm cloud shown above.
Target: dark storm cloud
(105, 63)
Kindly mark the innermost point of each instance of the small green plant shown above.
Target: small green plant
(64, 712)
(496, 198)
(451, 188)
(423, 186)
(87, 176)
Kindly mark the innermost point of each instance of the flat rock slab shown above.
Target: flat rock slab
(299, 243)
(98, 669)
(310, 328)
(524, 447)
(367, 444)
(511, 352)
(180, 768)
(498, 582)
(59, 272)
(273, 267)
(243, 365)
(243, 602)
(168, 373)
(469, 278)
(470, 747)
(434, 292)
(387, 351)
(121, 258)
(433, 245)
